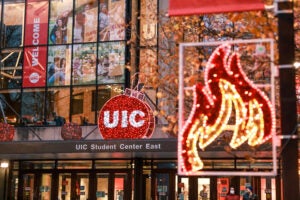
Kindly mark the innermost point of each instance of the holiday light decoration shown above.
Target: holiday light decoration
(126, 116)
(226, 93)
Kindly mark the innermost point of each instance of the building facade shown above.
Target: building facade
(61, 62)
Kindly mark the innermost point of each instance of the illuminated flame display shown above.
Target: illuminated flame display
(226, 92)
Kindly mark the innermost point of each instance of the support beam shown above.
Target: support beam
(289, 151)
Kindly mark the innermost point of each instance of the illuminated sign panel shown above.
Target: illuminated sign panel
(228, 109)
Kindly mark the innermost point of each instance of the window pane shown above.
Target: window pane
(111, 62)
(11, 68)
(103, 94)
(57, 109)
(33, 106)
(84, 64)
(59, 65)
(11, 104)
(60, 23)
(82, 112)
(13, 20)
(85, 21)
(112, 20)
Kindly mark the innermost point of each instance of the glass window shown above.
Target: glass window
(85, 20)
(13, 23)
(11, 69)
(100, 98)
(111, 62)
(112, 20)
(74, 164)
(57, 106)
(84, 64)
(37, 164)
(59, 65)
(82, 112)
(11, 104)
(33, 106)
(60, 23)
(77, 104)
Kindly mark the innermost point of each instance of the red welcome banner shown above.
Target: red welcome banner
(34, 69)
(196, 7)
(36, 29)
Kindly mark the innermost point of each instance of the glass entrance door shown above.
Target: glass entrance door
(119, 182)
(64, 186)
(73, 186)
(76, 185)
(82, 186)
(28, 186)
(102, 186)
(45, 186)
(37, 186)
(110, 186)
(162, 184)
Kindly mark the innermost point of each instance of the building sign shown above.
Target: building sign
(35, 56)
(103, 146)
(126, 116)
(226, 102)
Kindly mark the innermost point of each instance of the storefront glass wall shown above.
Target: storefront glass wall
(57, 52)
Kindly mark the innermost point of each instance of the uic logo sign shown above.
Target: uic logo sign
(125, 116)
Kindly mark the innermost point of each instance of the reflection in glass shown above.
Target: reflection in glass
(57, 109)
(60, 23)
(84, 64)
(59, 65)
(111, 62)
(13, 23)
(33, 106)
